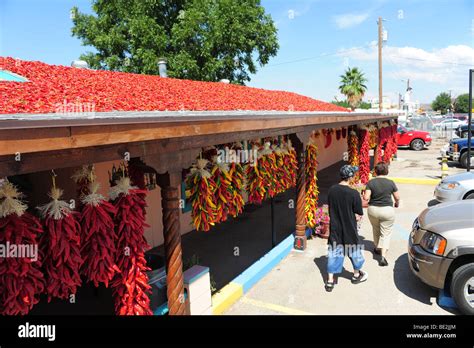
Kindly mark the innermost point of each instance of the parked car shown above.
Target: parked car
(441, 250)
(456, 187)
(416, 140)
(462, 131)
(458, 151)
(450, 123)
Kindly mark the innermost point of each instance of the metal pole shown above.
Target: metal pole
(272, 212)
(469, 121)
(380, 65)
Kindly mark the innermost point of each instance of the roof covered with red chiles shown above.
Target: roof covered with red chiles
(48, 87)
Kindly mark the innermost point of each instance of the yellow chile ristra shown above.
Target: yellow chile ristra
(312, 191)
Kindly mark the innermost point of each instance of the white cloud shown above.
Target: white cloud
(441, 66)
(349, 20)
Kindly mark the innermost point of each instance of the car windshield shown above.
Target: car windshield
(402, 129)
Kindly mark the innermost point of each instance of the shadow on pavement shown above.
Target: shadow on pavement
(321, 263)
(409, 284)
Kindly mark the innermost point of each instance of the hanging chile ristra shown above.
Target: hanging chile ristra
(291, 162)
(97, 238)
(21, 279)
(328, 136)
(60, 244)
(364, 159)
(202, 188)
(260, 175)
(373, 136)
(222, 195)
(281, 173)
(83, 177)
(130, 286)
(312, 191)
(353, 148)
(236, 173)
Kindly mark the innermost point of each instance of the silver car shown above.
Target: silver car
(441, 250)
(455, 187)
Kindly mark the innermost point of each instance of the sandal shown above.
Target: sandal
(329, 286)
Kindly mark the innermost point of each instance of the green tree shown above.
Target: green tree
(461, 104)
(353, 86)
(345, 104)
(201, 39)
(442, 103)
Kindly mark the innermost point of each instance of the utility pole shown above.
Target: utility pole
(380, 63)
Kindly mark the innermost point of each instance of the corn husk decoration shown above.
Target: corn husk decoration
(312, 191)
(60, 244)
(202, 188)
(21, 279)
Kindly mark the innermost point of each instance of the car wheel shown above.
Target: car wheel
(417, 144)
(463, 160)
(469, 196)
(462, 288)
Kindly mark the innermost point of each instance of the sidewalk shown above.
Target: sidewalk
(296, 285)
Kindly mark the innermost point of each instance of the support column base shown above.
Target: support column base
(300, 243)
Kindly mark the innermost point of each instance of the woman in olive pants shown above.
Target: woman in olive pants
(379, 192)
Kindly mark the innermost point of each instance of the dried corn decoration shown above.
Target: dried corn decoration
(21, 279)
(222, 195)
(98, 238)
(61, 246)
(202, 188)
(130, 286)
(364, 159)
(312, 191)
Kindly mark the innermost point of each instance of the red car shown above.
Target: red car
(415, 139)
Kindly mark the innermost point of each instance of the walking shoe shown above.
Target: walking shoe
(363, 276)
(383, 262)
(329, 286)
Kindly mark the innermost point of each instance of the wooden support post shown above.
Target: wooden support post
(169, 183)
(300, 237)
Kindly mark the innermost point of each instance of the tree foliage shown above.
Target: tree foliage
(345, 104)
(201, 39)
(353, 86)
(461, 104)
(442, 103)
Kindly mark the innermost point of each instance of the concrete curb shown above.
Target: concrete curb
(230, 293)
(416, 181)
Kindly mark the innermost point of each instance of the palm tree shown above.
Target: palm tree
(353, 86)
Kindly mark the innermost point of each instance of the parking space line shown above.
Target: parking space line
(274, 307)
(417, 181)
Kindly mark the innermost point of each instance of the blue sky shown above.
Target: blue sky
(429, 41)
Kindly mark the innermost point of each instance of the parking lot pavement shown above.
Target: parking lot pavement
(296, 285)
(422, 164)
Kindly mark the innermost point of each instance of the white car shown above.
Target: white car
(450, 123)
(455, 187)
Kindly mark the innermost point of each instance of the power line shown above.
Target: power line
(430, 60)
(322, 55)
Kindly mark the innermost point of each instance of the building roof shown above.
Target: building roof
(61, 89)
